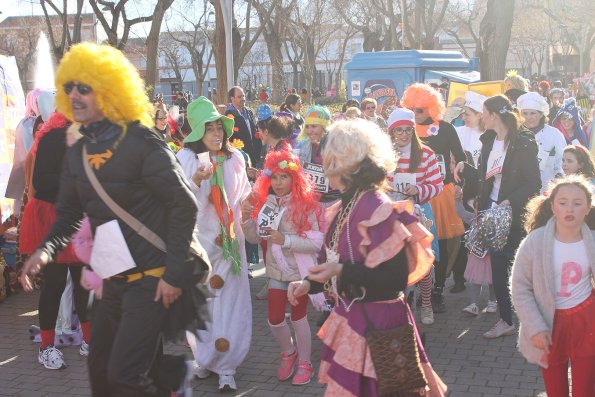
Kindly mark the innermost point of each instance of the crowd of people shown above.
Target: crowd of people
(352, 213)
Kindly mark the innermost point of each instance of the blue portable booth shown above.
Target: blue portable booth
(385, 75)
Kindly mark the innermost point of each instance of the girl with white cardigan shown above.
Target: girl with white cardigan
(552, 287)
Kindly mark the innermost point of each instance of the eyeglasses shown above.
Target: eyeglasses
(401, 130)
(418, 110)
(82, 89)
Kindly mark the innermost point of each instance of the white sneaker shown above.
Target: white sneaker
(51, 358)
(84, 349)
(500, 329)
(472, 309)
(200, 372)
(427, 316)
(227, 383)
(185, 389)
(492, 307)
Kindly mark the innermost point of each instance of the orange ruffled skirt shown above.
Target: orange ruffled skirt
(448, 223)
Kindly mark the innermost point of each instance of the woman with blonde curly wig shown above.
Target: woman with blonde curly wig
(442, 138)
(373, 249)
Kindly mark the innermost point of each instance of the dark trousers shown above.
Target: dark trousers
(52, 288)
(252, 252)
(460, 264)
(441, 266)
(501, 265)
(126, 353)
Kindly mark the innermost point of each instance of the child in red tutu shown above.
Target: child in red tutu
(286, 213)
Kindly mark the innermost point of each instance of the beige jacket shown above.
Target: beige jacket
(533, 285)
(293, 244)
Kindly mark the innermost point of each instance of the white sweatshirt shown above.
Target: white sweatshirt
(551, 145)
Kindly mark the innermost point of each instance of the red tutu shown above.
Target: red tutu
(36, 223)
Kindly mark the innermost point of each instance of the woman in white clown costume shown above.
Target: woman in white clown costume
(535, 109)
(216, 174)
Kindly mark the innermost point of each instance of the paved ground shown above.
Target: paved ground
(469, 364)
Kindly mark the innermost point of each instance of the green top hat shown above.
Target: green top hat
(200, 112)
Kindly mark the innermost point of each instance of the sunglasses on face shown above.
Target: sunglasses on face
(418, 110)
(405, 130)
(82, 89)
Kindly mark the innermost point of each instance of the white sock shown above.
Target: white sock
(303, 337)
(282, 333)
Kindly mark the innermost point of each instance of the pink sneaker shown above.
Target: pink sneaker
(303, 374)
(285, 369)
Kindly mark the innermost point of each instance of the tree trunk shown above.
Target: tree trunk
(419, 11)
(310, 64)
(273, 39)
(151, 77)
(296, 77)
(586, 50)
(219, 53)
(338, 76)
(495, 31)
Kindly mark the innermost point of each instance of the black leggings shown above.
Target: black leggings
(54, 281)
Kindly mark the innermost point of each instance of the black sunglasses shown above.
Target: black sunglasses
(418, 110)
(83, 89)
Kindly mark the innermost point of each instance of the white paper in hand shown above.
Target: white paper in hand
(110, 254)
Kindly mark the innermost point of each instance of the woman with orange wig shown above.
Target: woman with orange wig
(442, 138)
(285, 214)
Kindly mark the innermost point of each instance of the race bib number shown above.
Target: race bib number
(495, 162)
(475, 155)
(441, 165)
(269, 218)
(400, 181)
(477, 251)
(316, 175)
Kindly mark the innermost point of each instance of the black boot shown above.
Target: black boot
(458, 287)
(438, 301)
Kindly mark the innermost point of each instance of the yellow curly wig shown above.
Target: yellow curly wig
(121, 94)
(423, 96)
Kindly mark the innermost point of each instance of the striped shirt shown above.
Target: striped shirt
(427, 174)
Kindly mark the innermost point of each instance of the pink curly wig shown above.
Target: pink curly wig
(31, 108)
(423, 96)
(304, 200)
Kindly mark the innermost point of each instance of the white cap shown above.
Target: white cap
(474, 101)
(533, 101)
(401, 116)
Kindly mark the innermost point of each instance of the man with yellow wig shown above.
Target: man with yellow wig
(101, 91)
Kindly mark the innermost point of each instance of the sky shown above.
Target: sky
(134, 8)
(33, 7)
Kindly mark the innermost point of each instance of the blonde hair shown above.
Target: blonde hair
(518, 82)
(353, 113)
(355, 144)
(539, 208)
(366, 101)
(119, 89)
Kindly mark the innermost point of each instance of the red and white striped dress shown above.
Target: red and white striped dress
(427, 174)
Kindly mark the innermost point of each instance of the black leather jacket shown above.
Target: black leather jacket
(521, 179)
(143, 176)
